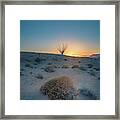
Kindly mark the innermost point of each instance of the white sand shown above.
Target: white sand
(83, 77)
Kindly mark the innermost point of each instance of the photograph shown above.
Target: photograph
(60, 55)
(59, 59)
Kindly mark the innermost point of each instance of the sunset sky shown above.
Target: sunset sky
(81, 36)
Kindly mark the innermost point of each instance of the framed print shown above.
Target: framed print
(59, 59)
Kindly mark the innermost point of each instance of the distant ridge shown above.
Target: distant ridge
(47, 54)
(91, 56)
(42, 53)
(95, 56)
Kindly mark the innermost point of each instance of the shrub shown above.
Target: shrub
(39, 76)
(21, 69)
(49, 69)
(89, 93)
(98, 78)
(65, 59)
(58, 88)
(90, 65)
(65, 66)
(75, 66)
(97, 69)
(54, 66)
(27, 60)
(35, 64)
(92, 73)
(55, 58)
(38, 60)
(82, 68)
(49, 63)
(27, 65)
(21, 74)
(30, 72)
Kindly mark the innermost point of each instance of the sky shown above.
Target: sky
(82, 37)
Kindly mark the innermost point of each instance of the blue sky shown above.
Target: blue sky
(46, 35)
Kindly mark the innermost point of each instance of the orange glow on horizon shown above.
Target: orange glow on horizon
(78, 49)
(75, 48)
(69, 53)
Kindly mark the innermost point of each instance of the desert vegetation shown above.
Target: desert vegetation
(59, 77)
(58, 88)
(62, 48)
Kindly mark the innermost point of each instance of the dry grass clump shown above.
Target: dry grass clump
(75, 66)
(39, 76)
(90, 65)
(89, 93)
(39, 60)
(28, 65)
(50, 68)
(65, 66)
(58, 88)
(54, 66)
(82, 68)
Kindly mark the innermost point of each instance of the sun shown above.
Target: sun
(72, 53)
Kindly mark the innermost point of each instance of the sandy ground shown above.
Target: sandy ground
(84, 71)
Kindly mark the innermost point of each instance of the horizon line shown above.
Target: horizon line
(59, 53)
